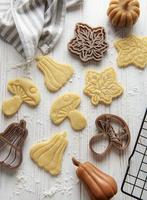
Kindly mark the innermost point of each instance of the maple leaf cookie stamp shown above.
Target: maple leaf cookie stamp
(132, 50)
(89, 43)
(102, 87)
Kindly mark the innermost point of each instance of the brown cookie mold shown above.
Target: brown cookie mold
(115, 129)
(89, 43)
(11, 143)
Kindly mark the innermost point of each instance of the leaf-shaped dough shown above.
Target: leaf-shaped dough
(132, 51)
(105, 89)
(122, 44)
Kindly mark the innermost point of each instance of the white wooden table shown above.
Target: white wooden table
(30, 182)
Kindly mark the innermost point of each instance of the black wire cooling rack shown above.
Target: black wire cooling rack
(135, 180)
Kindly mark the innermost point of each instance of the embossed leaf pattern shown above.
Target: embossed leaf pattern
(89, 43)
(102, 87)
(132, 51)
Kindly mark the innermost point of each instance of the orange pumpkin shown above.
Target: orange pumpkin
(123, 13)
(99, 185)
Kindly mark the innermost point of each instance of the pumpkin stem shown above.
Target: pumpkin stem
(125, 4)
(76, 162)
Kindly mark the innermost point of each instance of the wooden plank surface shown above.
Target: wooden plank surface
(29, 182)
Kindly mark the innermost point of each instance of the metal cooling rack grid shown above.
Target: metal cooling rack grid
(135, 180)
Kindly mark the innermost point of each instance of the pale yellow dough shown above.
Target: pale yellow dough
(25, 91)
(48, 154)
(65, 107)
(55, 74)
(132, 50)
(102, 87)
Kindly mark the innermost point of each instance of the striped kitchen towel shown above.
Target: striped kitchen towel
(29, 24)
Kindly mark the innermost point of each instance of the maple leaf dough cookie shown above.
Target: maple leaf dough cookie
(89, 43)
(55, 74)
(65, 107)
(48, 154)
(24, 91)
(132, 50)
(102, 87)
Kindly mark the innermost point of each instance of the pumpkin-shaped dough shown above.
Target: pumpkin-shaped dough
(123, 13)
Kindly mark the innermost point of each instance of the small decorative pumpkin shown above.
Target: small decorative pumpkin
(99, 185)
(123, 13)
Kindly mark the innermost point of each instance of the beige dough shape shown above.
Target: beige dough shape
(102, 87)
(25, 91)
(48, 154)
(132, 50)
(56, 74)
(65, 107)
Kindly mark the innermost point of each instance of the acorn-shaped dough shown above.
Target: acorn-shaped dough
(25, 91)
(48, 154)
(123, 13)
(65, 107)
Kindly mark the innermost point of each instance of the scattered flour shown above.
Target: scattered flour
(27, 183)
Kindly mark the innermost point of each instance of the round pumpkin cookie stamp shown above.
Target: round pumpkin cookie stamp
(89, 43)
(115, 129)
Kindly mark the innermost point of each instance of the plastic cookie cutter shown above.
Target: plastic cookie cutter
(11, 142)
(115, 129)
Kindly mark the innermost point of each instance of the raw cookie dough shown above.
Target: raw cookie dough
(55, 74)
(65, 107)
(24, 90)
(132, 50)
(89, 43)
(102, 87)
(48, 154)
